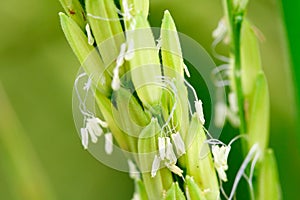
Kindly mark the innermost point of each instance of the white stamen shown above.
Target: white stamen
(130, 50)
(219, 35)
(93, 130)
(220, 114)
(155, 166)
(199, 111)
(108, 143)
(84, 137)
(170, 155)
(233, 117)
(220, 155)
(186, 70)
(175, 169)
(120, 59)
(221, 30)
(127, 9)
(133, 171)
(92, 124)
(162, 147)
(179, 144)
(102, 123)
(233, 102)
(89, 34)
(115, 84)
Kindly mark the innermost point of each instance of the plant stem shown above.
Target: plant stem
(235, 23)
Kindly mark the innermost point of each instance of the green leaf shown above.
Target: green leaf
(106, 27)
(107, 108)
(199, 161)
(259, 114)
(147, 148)
(174, 193)
(268, 181)
(131, 116)
(141, 190)
(173, 66)
(131, 8)
(170, 48)
(171, 193)
(193, 190)
(86, 54)
(74, 10)
(250, 58)
(145, 64)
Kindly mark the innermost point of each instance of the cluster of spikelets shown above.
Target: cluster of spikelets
(142, 95)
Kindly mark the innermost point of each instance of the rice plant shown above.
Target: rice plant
(134, 93)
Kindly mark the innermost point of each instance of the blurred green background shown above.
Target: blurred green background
(39, 147)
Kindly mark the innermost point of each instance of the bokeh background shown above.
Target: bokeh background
(40, 152)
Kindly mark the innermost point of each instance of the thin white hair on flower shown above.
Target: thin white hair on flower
(88, 84)
(221, 72)
(82, 101)
(127, 11)
(250, 177)
(103, 18)
(130, 50)
(91, 39)
(168, 83)
(108, 143)
(197, 104)
(219, 34)
(251, 154)
(194, 93)
(186, 70)
(92, 125)
(220, 155)
(126, 16)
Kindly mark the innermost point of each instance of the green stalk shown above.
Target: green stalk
(237, 71)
